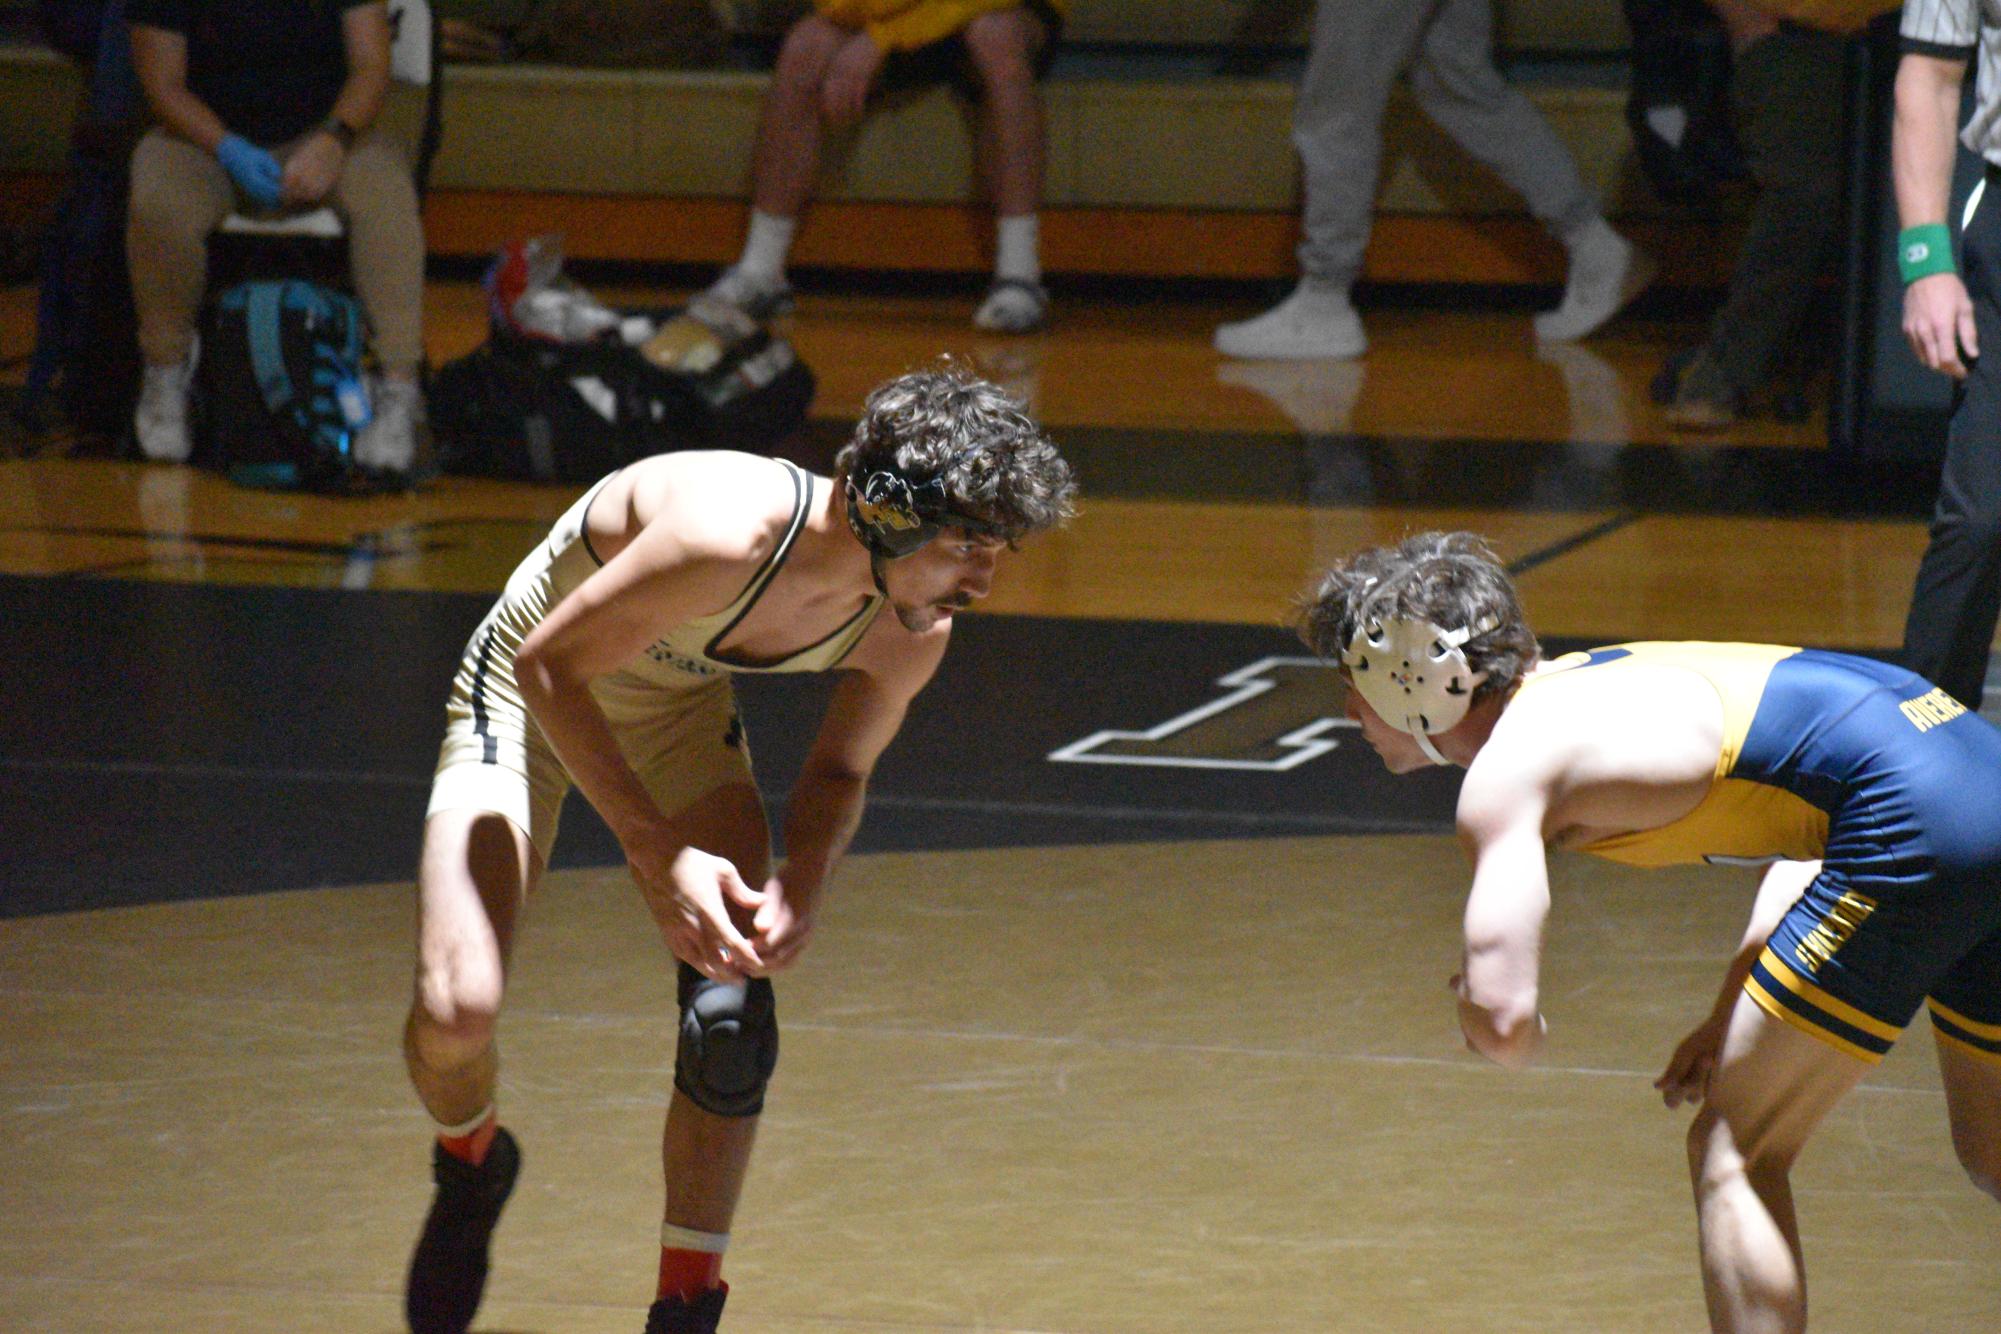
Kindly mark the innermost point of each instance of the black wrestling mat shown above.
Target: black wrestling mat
(166, 741)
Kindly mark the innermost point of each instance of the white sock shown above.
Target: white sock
(1016, 251)
(1597, 233)
(675, 1237)
(765, 248)
(464, 1128)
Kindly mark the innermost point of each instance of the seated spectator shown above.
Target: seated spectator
(829, 65)
(1785, 92)
(272, 107)
(1358, 49)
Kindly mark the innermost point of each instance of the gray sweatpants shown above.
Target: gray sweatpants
(1359, 48)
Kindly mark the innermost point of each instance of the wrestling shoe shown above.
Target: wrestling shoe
(448, 1270)
(677, 1315)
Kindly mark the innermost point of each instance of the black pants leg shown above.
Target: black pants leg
(1786, 94)
(1958, 593)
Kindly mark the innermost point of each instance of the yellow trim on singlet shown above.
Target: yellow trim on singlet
(1778, 1011)
(1991, 1032)
(1737, 819)
(1807, 991)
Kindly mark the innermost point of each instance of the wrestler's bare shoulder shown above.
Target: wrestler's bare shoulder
(1574, 729)
(720, 502)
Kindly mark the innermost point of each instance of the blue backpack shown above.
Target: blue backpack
(280, 390)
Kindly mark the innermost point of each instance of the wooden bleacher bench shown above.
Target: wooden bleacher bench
(1158, 163)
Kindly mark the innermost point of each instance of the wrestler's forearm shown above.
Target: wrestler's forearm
(821, 818)
(582, 738)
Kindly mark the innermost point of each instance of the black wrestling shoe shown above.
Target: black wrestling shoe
(448, 1270)
(677, 1315)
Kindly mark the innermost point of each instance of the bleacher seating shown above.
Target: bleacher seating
(1174, 108)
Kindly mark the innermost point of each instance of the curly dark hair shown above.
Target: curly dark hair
(997, 465)
(1452, 580)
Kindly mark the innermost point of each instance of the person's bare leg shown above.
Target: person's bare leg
(706, 1155)
(783, 168)
(475, 873)
(473, 878)
(706, 1158)
(1012, 148)
(1003, 47)
(1772, 1087)
(1973, 1102)
(788, 129)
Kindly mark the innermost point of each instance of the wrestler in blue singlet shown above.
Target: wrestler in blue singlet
(1896, 788)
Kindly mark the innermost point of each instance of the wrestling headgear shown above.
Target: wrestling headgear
(1415, 675)
(894, 516)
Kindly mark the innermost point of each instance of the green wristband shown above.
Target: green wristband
(1924, 250)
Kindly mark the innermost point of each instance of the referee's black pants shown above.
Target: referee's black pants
(1958, 593)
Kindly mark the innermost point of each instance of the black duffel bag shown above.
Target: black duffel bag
(532, 408)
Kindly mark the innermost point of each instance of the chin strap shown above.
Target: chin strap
(1424, 744)
(875, 572)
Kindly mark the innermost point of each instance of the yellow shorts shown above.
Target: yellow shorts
(682, 741)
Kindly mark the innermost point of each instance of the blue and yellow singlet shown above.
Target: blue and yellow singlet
(1895, 787)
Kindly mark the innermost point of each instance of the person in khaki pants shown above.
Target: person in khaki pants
(269, 104)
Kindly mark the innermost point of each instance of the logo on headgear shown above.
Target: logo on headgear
(885, 502)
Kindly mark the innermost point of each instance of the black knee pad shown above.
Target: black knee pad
(729, 1043)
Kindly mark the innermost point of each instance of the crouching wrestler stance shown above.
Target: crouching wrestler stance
(1871, 794)
(607, 664)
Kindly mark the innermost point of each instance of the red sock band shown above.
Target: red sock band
(689, 1274)
(471, 1148)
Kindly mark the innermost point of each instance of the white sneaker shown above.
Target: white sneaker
(161, 420)
(1313, 323)
(1013, 305)
(760, 296)
(1606, 272)
(389, 442)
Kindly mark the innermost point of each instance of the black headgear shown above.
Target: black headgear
(894, 516)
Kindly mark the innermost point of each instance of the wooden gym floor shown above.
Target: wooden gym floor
(1130, 1016)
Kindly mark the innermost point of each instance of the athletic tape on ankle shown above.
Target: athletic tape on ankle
(465, 1128)
(1924, 250)
(677, 1238)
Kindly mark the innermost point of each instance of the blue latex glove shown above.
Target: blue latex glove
(252, 168)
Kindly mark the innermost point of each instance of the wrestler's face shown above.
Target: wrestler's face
(944, 575)
(1399, 750)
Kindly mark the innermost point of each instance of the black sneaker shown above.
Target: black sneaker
(448, 1270)
(677, 1315)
